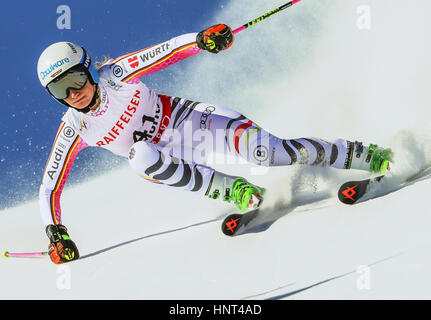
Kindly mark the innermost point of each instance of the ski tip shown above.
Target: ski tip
(231, 224)
(348, 192)
(5, 254)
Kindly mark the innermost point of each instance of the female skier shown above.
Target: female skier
(109, 107)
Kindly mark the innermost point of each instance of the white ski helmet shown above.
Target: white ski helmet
(58, 58)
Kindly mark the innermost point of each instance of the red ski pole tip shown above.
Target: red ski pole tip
(5, 254)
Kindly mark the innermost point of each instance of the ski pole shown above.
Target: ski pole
(193, 49)
(7, 254)
(266, 15)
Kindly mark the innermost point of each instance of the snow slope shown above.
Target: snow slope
(137, 250)
(321, 76)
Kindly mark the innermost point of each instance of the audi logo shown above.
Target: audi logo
(204, 117)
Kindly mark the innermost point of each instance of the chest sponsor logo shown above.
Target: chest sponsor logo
(122, 122)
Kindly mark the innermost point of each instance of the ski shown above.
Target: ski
(352, 191)
(234, 222)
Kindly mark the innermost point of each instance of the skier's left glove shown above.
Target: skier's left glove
(62, 248)
(215, 38)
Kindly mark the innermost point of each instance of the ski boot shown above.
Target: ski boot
(242, 193)
(246, 196)
(373, 158)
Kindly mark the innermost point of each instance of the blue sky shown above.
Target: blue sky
(30, 117)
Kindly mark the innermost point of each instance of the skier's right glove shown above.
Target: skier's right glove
(215, 38)
(61, 249)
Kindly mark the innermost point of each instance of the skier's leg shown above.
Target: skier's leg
(155, 165)
(228, 132)
(257, 145)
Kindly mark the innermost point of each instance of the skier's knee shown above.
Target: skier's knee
(142, 155)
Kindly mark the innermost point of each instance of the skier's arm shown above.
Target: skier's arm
(134, 65)
(67, 145)
(130, 67)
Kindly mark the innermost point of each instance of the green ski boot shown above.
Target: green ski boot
(372, 158)
(245, 195)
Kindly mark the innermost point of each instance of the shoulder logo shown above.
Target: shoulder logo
(117, 71)
(68, 132)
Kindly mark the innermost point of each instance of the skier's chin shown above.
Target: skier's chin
(81, 103)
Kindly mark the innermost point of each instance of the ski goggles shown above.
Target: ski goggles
(74, 78)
